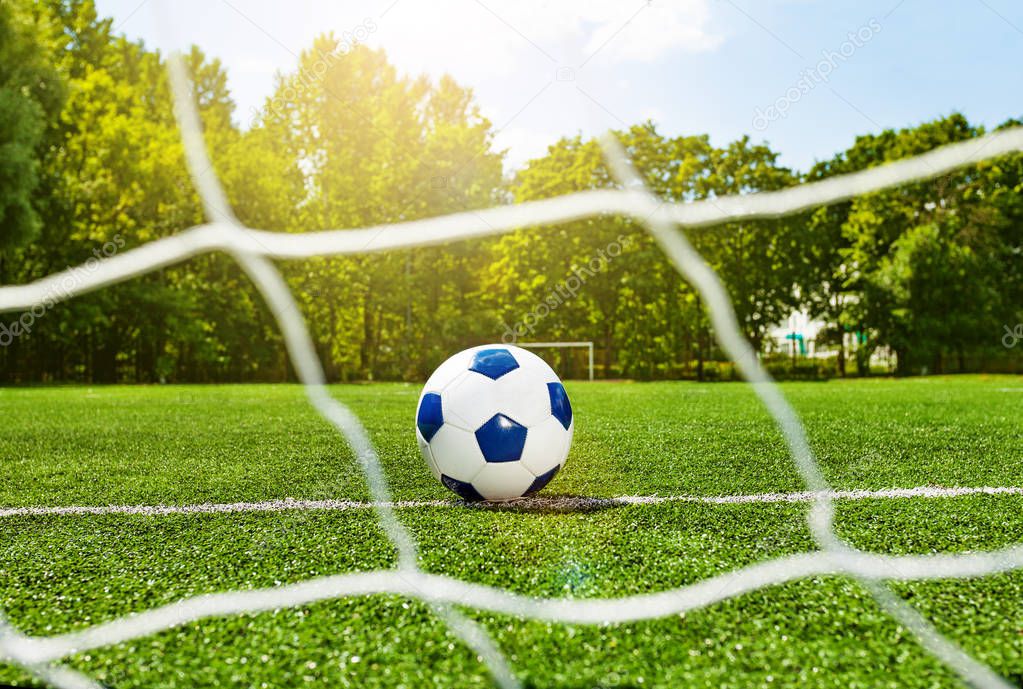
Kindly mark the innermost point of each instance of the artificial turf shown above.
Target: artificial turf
(189, 444)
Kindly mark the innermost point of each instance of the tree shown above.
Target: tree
(760, 262)
(116, 178)
(31, 95)
(925, 268)
(377, 147)
(589, 279)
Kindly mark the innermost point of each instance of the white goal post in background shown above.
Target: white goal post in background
(545, 345)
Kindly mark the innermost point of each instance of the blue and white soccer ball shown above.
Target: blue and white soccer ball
(494, 423)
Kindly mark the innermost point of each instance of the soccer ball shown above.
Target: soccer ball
(494, 423)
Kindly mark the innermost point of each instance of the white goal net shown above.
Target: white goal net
(253, 249)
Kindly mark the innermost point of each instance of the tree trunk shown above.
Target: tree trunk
(105, 370)
(901, 361)
(608, 349)
(365, 352)
(863, 362)
(700, 342)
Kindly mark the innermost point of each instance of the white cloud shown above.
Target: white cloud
(523, 144)
(651, 30)
(490, 37)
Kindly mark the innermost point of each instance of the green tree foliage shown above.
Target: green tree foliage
(648, 322)
(377, 147)
(31, 95)
(599, 279)
(929, 269)
(761, 261)
(91, 164)
(116, 179)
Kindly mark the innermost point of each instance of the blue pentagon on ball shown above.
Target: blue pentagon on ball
(493, 363)
(542, 480)
(561, 408)
(501, 439)
(430, 417)
(462, 489)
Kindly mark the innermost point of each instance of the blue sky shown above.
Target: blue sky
(545, 68)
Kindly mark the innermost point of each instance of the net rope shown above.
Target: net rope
(254, 250)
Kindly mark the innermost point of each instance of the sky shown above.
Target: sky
(806, 76)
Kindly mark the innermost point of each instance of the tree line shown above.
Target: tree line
(92, 165)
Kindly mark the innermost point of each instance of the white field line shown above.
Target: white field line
(553, 504)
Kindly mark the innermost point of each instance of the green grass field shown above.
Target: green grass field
(184, 445)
